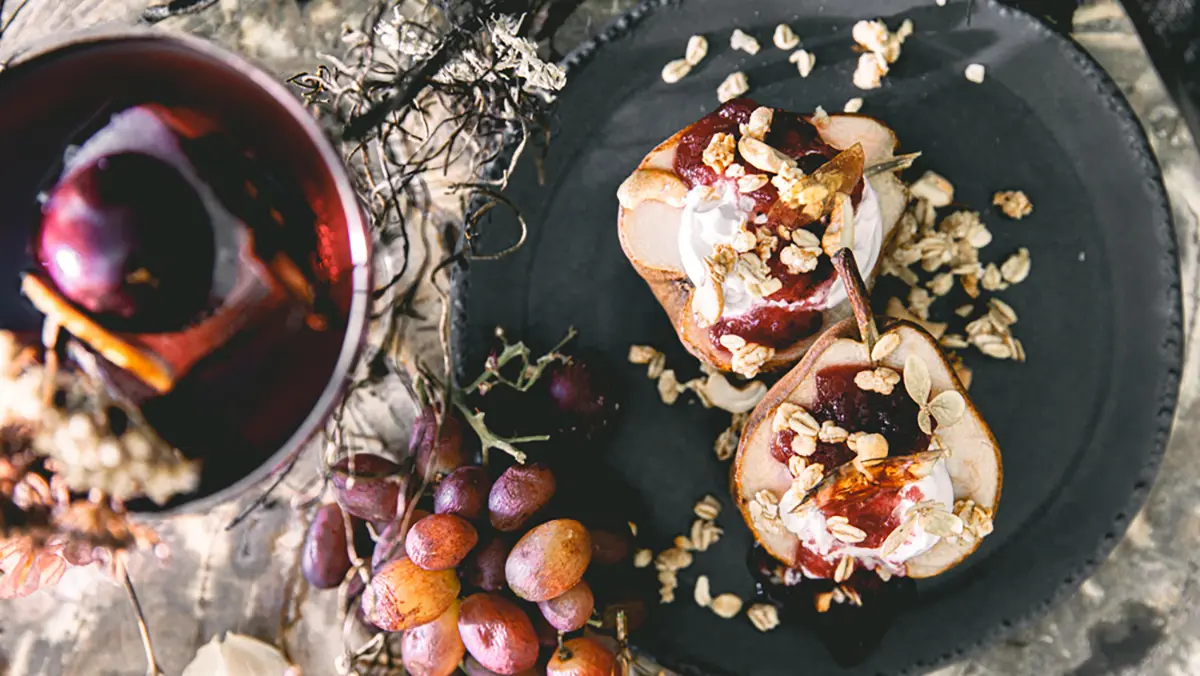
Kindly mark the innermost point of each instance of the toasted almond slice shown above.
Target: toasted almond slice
(762, 156)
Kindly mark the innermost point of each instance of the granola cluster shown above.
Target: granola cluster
(947, 251)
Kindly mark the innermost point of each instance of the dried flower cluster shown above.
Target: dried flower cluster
(68, 459)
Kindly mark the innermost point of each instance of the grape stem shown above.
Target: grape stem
(489, 440)
(529, 374)
(152, 668)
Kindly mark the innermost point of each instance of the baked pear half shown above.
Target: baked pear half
(868, 455)
(733, 222)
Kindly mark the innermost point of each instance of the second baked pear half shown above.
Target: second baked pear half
(733, 220)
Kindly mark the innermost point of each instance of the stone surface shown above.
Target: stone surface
(1134, 616)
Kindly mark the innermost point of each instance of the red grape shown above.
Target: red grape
(436, 454)
(325, 560)
(129, 239)
(548, 560)
(390, 544)
(484, 568)
(463, 492)
(571, 610)
(498, 633)
(368, 486)
(582, 657)
(518, 494)
(440, 541)
(402, 596)
(434, 649)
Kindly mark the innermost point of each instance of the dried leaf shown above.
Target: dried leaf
(916, 379)
(948, 408)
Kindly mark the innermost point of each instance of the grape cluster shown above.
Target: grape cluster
(485, 571)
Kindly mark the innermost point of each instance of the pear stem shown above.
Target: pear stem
(860, 299)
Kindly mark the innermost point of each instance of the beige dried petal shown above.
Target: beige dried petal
(704, 534)
(702, 595)
(870, 35)
(673, 559)
(964, 310)
(726, 605)
(948, 408)
(735, 171)
(642, 558)
(975, 72)
(845, 569)
(853, 105)
(1016, 268)
(697, 49)
(763, 616)
(676, 70)
(917, 381)
(885, 346)
(743, 41)
(804, 445)
(683, 542)
(783, 416)
(707, 508)
(970, 284)
(925, 420)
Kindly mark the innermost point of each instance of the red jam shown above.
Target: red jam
(770, 325)
(857, 410)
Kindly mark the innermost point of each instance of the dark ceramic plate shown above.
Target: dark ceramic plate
(1081, 425)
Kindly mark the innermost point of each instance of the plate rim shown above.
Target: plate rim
(1162, 226)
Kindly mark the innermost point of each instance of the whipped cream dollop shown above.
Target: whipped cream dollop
(810, 525)
(709, 221)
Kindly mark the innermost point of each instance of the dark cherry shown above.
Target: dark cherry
(128, 239)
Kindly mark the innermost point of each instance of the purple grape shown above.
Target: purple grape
(435, 453)
(128, 239)
(484, 567)
(571, 610)
(463, 492)
(518, 494)
(368, 486)
(324, 559)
